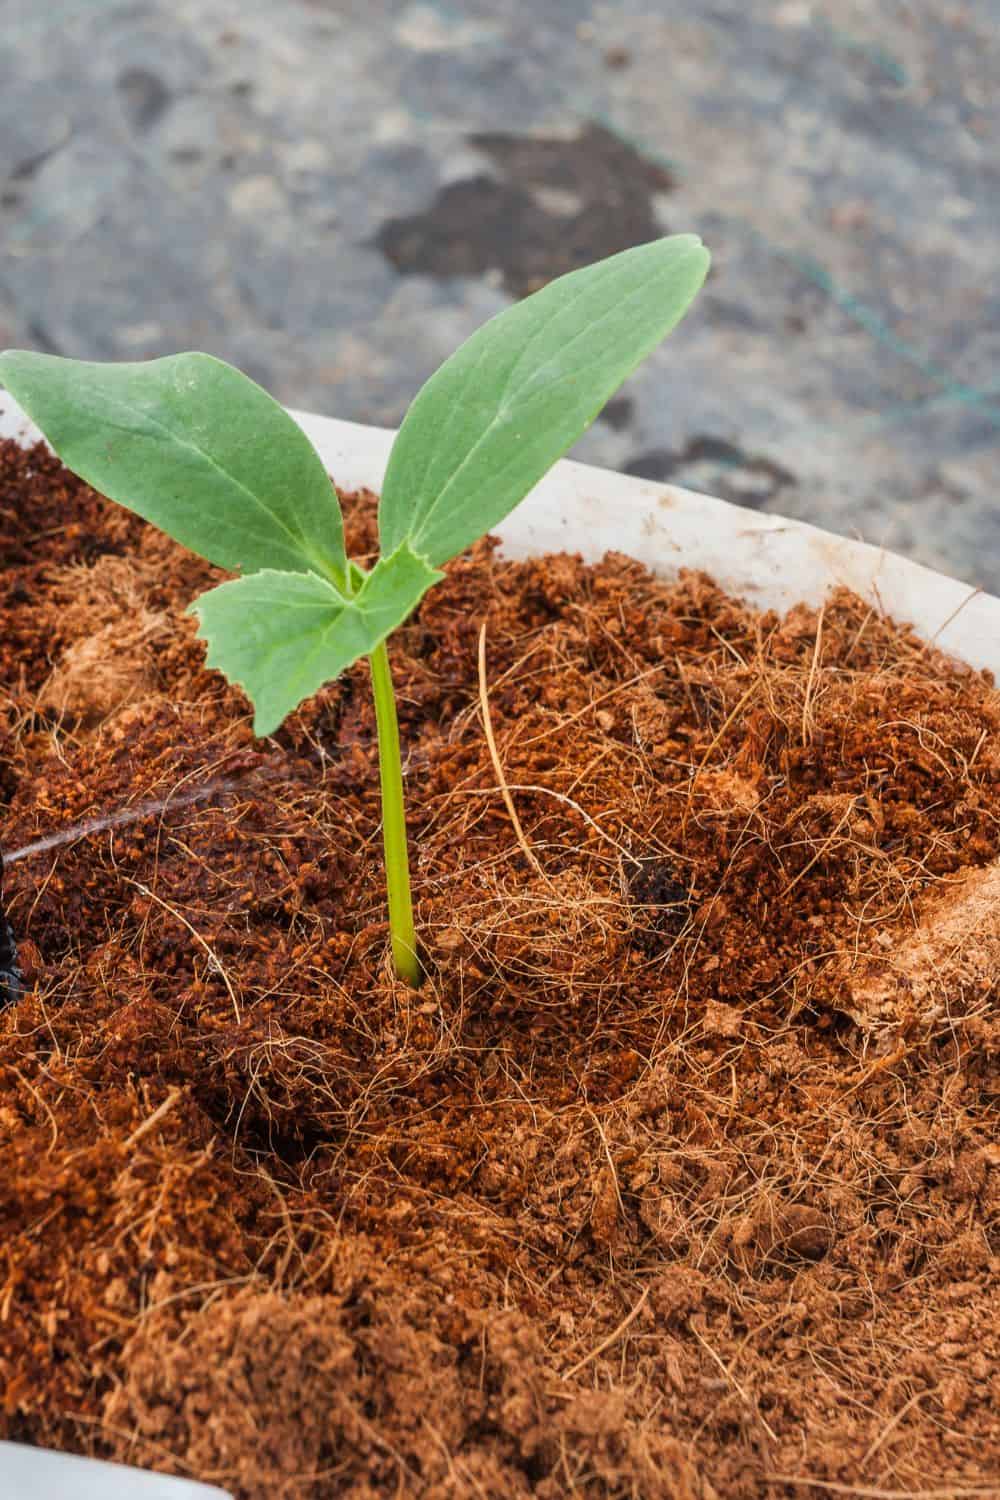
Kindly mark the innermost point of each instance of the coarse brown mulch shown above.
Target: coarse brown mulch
(680, 1175)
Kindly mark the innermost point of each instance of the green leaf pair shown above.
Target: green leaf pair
(201, 451)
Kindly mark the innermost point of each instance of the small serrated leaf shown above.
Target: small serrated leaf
(282, 636)
(194, 446)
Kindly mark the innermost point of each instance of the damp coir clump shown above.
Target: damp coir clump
(679, 1176)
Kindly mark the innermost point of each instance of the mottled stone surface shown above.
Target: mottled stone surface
(332, 193)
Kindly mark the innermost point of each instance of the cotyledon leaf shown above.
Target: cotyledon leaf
(196, 447)
(282, 636)
(497, 414)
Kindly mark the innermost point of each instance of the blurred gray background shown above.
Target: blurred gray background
(333, 193)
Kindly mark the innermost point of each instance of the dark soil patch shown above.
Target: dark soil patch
(10, 970)
(678, 1178)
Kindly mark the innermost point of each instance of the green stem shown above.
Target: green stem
(397, 863)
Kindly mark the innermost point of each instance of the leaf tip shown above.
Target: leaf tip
(264, 723)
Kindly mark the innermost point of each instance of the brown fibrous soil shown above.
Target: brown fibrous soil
(678, 1177)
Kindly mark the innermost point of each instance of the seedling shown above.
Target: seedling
(197, 448)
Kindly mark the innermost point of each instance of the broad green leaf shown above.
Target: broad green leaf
(194, 446)
(521, 390)
(282, 636)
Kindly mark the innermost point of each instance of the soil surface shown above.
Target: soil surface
(678, 1178)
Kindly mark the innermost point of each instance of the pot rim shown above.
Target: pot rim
(771, 561)
(44, 1474)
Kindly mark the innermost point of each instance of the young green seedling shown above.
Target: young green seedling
(194, 446)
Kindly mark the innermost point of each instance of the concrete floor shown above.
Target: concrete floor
(333, 193)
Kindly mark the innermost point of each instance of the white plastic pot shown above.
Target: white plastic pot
(35, 1474)
(770, 561)
(767, 560)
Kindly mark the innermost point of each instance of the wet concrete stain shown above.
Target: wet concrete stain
(144, 97)
(713, 465)
(555, 204)
(617, 414)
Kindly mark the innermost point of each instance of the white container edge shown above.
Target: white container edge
(768, 560)
(40, 1474)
